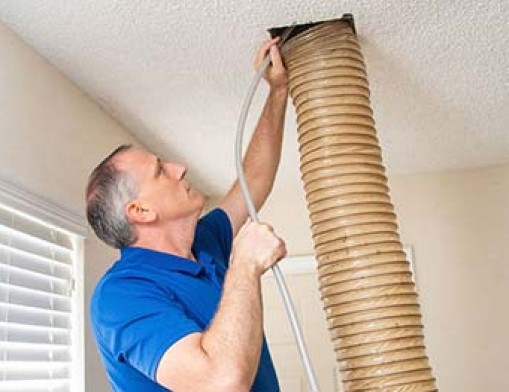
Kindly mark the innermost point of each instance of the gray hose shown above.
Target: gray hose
(313, 385)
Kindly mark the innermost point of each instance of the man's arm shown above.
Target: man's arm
(225, 357)
(264, 151)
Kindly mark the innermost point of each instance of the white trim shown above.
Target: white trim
(12, 196)
(78, 332)
(297, 265)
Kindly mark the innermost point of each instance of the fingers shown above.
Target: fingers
(249, 222)
(276, 74)
(268, 227)
(257, 245)
(279, 243)
(281, 250)
(262, 52)
(275, 56)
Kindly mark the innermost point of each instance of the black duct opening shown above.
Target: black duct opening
(298, 29)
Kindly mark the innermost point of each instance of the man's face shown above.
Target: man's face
(162, 185)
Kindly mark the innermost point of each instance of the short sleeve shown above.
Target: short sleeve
(137, 321)
(214, 233)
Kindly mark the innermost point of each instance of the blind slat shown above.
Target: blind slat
(56, 269)
(33, 311)
(20, 295)
(36, 337)
(23, 282)
(9, 232)
(21, 252)
(21, 366)
(33, 346)
(35, 228)
(33, 328)
(10, 271)
(15, 354)
(33, 297)
(42, 384)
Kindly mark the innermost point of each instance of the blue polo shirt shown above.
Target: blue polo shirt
(148, 300)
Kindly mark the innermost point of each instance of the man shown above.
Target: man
(181, 309)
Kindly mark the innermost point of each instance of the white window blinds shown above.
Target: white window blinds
(37, 270)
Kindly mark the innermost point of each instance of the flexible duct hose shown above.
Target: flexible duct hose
(366, 283)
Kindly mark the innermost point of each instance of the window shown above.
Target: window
(41, 303)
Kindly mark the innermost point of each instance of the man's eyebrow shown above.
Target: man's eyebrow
(158, 165)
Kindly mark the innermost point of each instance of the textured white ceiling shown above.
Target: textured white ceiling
(175, 73)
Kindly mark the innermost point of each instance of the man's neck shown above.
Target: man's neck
(175, 238)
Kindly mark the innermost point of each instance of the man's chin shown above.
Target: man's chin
(201, 201)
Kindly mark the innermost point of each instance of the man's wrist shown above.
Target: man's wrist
(247, 268)
(279, 91)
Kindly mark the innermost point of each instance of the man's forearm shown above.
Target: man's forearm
(264, 151)
(234, 339)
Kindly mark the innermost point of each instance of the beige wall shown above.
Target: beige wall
(457, 224)
(52, 136)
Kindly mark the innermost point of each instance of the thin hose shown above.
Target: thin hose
(290, 311)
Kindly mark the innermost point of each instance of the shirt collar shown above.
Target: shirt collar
(163, 260)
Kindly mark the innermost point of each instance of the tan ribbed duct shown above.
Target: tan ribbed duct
(366, 284)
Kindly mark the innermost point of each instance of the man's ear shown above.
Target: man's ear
(139, 212)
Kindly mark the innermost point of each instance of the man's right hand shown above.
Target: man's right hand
(225, 356)
(257, 246)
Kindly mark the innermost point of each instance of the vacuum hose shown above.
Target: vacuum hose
(366, 283)
(278, 275)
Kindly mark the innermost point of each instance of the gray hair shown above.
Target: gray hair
(108, 191)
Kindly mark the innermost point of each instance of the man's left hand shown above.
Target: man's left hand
(276, 74)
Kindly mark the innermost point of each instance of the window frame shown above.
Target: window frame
(23, 202)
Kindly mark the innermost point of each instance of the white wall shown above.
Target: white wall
(52, 136)
(458, 225)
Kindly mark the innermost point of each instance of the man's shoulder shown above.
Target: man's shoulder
(117, 287)
(122, 279)
(108, 285)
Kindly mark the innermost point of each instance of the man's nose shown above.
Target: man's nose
(178, 170)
